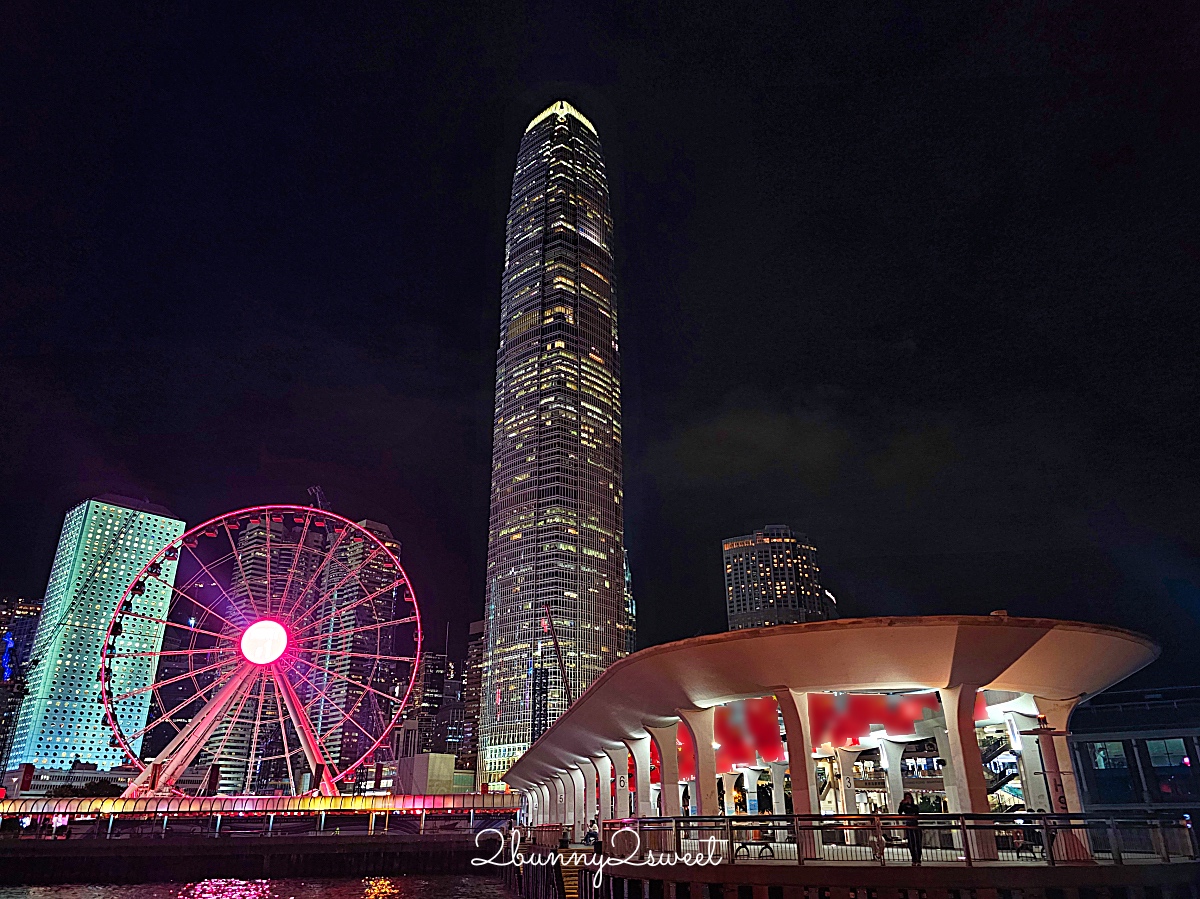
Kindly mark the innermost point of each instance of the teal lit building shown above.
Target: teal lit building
(104, 543)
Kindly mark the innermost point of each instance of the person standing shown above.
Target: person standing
(912, 829)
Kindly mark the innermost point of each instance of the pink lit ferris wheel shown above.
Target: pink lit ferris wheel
(271, 650)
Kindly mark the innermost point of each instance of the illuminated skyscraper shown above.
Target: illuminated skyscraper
(555, 537)
(104, 543)
(771, 577)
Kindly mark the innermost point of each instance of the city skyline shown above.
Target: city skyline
(918, 282)
(556, 605)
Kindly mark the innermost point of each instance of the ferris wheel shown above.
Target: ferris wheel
(269, 650)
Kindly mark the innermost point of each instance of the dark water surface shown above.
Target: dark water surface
(410, 887)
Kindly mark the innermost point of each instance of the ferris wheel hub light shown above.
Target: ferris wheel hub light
(264, 641)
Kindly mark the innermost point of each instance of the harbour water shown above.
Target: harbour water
(410, 887)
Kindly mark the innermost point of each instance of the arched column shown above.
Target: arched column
(566, 804)
(958, 703)
(603, 766)
(578, 804)
(1058, 713)
(668, 753)
(891, 752)
(699, 723)
(728, 782)
(845, 761)
(544, 804)
(530, 805)
(793, 704)
(778, 800)
(590, 810)
(554, 809)
(619, 759)
(639, 748)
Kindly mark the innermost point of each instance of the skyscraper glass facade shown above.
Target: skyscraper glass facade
(104, 543)
(771, 577)
(555, 538)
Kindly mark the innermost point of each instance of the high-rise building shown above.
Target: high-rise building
(555, 534)
(428, 694)
(18, 626)
(771, 577)
(468, 753)
(450, 721)
(104, 543)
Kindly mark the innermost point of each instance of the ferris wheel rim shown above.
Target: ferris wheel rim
(179, 544)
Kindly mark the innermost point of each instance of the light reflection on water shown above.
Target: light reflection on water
(411, 887)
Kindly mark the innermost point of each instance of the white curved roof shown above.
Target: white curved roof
(1047, 658)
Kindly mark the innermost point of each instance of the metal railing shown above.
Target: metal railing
(1036, 839)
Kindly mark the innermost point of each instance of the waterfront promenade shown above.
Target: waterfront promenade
(789, 857)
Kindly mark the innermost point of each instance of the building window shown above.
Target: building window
(1167, 753)
(1108, 755)
(1171, 771)
(1108, 778)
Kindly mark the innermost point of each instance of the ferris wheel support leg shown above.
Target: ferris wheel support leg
(308, 740)
(182, 750)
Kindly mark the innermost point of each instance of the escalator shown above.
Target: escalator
(997, 783)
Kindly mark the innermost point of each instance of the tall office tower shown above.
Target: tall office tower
(555, 535)
(771, 577)
(468, 753)
(104, 543)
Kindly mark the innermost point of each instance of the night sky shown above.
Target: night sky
(919, 282)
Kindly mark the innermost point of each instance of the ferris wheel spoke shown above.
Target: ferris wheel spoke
(186, 744)
(241, 568)
(166, 652)
(341, 653)
(197, 602)
(205, 569)
(175, 624)
(329, 554)
(342, 611)
(336, 707)
(287, 754)
(232, 722)
(348, 716)
(254, 735)
(300, 543)
(223, 679)
(350, 681)
(332, 590)
(354, 630)
(168, 681)
(267, 599)
(308, 741)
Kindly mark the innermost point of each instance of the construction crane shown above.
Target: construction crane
(562, 666)
(318, 496)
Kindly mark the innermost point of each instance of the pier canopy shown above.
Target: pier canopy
(866, 704)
